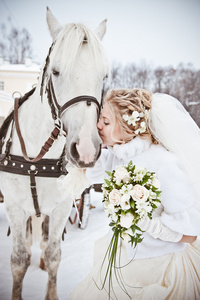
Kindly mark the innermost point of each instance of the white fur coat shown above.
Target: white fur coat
(180, 209)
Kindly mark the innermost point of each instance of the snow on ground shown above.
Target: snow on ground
(77, 256)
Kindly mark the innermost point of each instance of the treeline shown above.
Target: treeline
(182, 82)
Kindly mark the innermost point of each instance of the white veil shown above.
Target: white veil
(173, 127)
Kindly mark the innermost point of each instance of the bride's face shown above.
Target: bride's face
(108, 128)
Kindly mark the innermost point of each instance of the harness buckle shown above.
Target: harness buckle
(58, 123)
(33, 172)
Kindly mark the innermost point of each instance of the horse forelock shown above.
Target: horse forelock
(68, 45)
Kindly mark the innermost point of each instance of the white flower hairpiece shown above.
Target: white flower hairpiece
(131, 120)
(135, 117)
(142, 128)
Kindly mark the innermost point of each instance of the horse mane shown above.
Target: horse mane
(68, 45)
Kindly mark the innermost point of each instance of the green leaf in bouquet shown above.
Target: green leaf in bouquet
(145, 179)
(136, 239)
(150, 216)
(133, 228)
(107, 182)
(154, 206)
(133, 212)
(130, 165)
(139, 238)
(157, 200)
(158, 193)
(111, 224)
(109, 173)
(132, 203)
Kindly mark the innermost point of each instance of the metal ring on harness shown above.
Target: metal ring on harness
(19, 96)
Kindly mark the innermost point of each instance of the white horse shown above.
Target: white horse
(64, 101)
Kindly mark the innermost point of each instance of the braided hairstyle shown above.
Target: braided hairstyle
(124, 102)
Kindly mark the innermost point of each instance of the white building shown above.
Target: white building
(6, 105)
(15, 78)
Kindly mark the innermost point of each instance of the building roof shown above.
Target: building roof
(20, 68)
(29, 66)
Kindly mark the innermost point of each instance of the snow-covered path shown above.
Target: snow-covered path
(77, 256)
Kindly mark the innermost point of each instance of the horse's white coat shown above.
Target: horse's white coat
(81, 68)
(85, 138)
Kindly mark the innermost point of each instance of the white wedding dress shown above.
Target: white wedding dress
(159, 269)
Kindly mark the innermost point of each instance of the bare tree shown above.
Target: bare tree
(182, 83)
(159, 74)
(15, 45)
(130, 75)
(116, 75)
(144, 74)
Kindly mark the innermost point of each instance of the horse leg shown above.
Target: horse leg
(52, 254)
(20, 257)
(44, 241)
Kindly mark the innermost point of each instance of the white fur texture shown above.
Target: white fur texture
(74, 183)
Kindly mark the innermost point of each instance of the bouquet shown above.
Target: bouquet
(130, 194)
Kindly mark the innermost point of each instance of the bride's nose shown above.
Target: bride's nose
(99, 126)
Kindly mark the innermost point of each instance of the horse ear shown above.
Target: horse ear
(53, 24)
(101, 29)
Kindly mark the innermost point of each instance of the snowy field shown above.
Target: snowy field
(77, 256)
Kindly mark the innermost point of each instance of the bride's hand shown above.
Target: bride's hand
(188, 239)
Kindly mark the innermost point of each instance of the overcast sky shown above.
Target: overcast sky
(161, 32)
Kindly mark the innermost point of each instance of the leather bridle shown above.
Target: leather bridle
(57, 112)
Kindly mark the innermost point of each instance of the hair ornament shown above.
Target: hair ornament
(142, 128)
(135, 117)
(146, 114)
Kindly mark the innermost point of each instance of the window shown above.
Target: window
(1, 85)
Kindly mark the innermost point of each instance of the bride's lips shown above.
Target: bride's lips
(101, 135)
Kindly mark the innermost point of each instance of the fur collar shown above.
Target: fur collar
(130, 149)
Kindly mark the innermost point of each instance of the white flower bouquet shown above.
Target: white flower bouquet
(130, 194)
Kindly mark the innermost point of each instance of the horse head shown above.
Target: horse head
(74, 75)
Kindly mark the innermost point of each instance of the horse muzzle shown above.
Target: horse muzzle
(83, 154)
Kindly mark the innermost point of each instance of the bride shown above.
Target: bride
(155, 132)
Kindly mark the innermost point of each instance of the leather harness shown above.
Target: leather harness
(38, 166)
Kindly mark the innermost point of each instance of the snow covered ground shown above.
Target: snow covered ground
(77, 256)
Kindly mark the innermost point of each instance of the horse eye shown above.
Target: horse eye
(55, 72)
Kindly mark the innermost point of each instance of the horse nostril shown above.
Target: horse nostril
(74, 151)
(99, 153)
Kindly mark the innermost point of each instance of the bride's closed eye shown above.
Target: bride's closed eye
(106, 122)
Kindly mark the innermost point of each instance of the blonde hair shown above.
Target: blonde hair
(124, 102)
